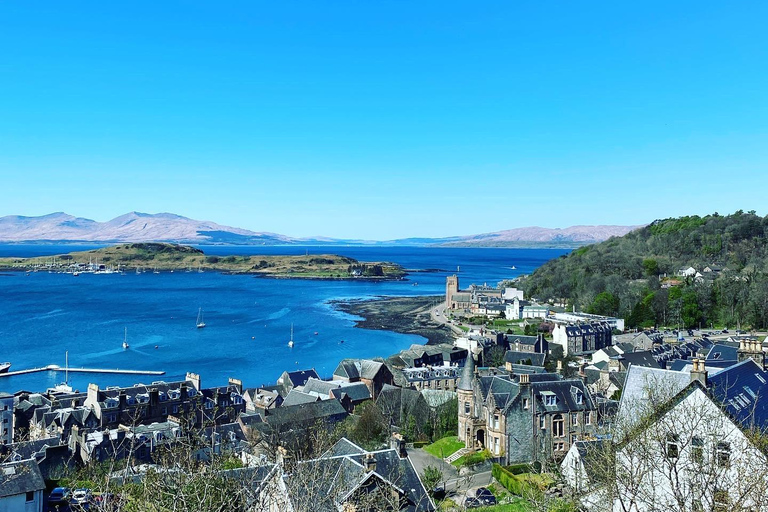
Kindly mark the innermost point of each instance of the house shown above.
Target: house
(703, 461)
(349, 394)
(374, 374)
(21, 487)
(581, 467)
(289, 380)
(523, 418)
(535, 311)
(582, 338)
(513, 357)
(347, 478)
(262, 398)
(432, 377)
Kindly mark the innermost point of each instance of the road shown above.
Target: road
(454, 484)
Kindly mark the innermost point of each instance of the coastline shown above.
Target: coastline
(406, 315)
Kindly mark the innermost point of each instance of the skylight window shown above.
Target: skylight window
(760, 378)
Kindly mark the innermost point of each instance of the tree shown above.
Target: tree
(605, 304)
(431, 477)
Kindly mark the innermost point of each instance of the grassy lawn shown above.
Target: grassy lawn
(444, 447)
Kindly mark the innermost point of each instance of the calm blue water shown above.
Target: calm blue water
(248, 318)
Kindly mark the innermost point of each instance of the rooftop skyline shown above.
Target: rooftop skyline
(360, 120)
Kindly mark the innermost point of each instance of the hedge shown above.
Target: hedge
(512, 482)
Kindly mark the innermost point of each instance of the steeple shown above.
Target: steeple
(468, 373)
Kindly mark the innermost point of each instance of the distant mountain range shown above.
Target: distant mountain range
(168, 227)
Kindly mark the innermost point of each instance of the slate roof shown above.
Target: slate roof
(27, 450)
(437, 397)
(297, 397)
(648, 386)
(523, 340)
(642, 358)
(19, 478)
(305, 415)
(590, 453)
(566, 392)
(358, 369)
(514, 357)
(343, 467)
(720, 352)
(743, 389)
(356, 391)
(300, 377)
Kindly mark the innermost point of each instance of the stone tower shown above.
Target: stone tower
(451, 287)
(466, 402)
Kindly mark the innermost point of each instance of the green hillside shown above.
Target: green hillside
(635, 276)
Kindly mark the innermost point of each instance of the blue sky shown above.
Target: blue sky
(384, 119)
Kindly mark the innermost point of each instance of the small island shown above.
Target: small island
(166, 257)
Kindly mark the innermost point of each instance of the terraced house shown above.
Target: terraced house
(523, 418)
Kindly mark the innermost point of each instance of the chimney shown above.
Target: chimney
(742, 345)
(194, 378)
(154, 397)
(699, 372)
(396, 442)
(93, 394)
(237, 383)
(183, 395)
(524, 379)
(582, 372)
(370, 462)
(122, 399)
(559, 367)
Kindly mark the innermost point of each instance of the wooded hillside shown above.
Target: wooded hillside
(635, 276)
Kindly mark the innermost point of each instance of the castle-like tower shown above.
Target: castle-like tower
(451, 287)
(465, 394)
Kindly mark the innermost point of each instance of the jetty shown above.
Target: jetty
(57, 368)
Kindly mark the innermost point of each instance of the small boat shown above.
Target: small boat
(156, 271)
(200, 321)
(513, 267)
(4, 367)
(290, 342)
(125, 340)
(315, 333)
(64, 387)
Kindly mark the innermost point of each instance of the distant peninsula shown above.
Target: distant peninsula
(166, 257)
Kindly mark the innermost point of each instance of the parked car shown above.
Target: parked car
(725, 331)
(81, 499)
(59, 497)
(482, 498)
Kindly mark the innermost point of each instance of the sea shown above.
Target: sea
(46, 318)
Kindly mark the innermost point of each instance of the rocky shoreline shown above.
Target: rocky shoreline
(407, 315)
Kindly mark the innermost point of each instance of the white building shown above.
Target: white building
(512, 293)
(578, 317)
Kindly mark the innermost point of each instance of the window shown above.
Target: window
(542, 423)
(525, 403)
(30, 496)
(721, 500)
(496, 421)
(466, 407)
(587, 418)
(558, 426)
(574, 418)
(673, 446)
(550, 399)
(579, 398)
(697, 450)
(724, 454)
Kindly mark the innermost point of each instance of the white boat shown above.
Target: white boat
(125, 340)
(513, 267)
(290, 342)
(156, 271)
(4, 367)
(64, 387)
(200, 322)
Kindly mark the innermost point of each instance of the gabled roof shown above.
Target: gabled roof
(647, 388)
(357, 391)
(358, 369)
(642, 358)
(514, 357)
(590, 453)
(297, 397)
(343, 469)
(720, 352)
(300, 377)
(743, 390)
(19, 478)
(566, 392)
(305, 415)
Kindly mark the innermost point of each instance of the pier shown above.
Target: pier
(57, 368)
